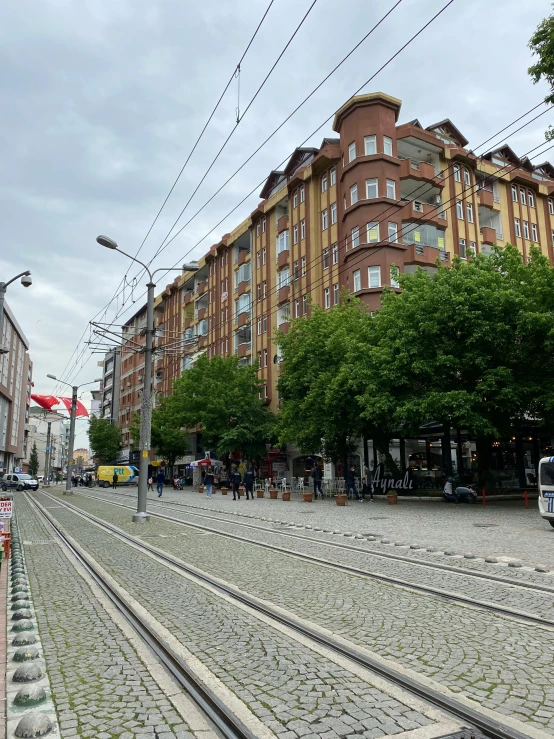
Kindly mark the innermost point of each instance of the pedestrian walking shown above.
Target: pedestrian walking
(351, 483)
(249, 483)
(236, 481)
(368, 483)
(317, 476)
(151, 483)
(209, 483)
(74, 480)
(115, 478)
(160, 480)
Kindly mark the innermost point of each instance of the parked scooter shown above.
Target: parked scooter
(460, 494)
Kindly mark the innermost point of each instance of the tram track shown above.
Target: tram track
(186, 508)
(484, 720)
(448, 595)
(223, 721)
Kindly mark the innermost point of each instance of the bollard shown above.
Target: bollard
(526, 498)
(484, 494)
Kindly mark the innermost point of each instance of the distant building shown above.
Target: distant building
(38, 434)
(16, 372)
(111, 371)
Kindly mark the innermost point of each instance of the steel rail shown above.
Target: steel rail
(492, 727)
(222, 720)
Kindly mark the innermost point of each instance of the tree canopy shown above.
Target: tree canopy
(542, 45)
(221, 400)
(105, 440)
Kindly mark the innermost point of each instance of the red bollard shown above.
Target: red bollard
(526, 498)
(484, 494)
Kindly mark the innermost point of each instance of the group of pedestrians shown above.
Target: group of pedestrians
(350, 483)
(86, 480)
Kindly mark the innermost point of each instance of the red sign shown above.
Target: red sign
(6, 507)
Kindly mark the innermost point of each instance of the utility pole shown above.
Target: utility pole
(47, 455)
(68, 490)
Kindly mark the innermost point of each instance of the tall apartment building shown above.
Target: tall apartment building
(109, 388)
(379, 196)
(131, 380)
(16, 371)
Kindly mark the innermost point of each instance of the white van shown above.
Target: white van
(546, 489)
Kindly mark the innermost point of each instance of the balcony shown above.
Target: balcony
(424, 256)
(201, 287)
(201, 314)
(283, 294)
(417, 210)
(487, 199)
(420, 171)
(283, 259)
(188, 322)
(187, 298)
(488, 235)
(242, 256)
(283, 224)
(243, 287)
(243, 318)
(244, 349)
(284, 327)
(202, 341)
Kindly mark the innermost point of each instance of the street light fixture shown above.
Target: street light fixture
(26, 281)
(146, 406)
(73, 415)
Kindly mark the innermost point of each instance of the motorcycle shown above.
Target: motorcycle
(460, 494)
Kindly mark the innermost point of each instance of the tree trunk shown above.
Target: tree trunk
(382, 443)
(484, 445)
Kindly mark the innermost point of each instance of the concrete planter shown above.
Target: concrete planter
(308, 497)
(224, 491)
(273, 494)
(340, 499)
(259, 493)
(392, 498)
(201, 489)
(286, 495)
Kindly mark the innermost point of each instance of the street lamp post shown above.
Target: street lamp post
(73, 415)
(25, 281)
(146, 407)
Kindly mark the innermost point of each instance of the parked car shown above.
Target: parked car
(40, 479)
(19, 481)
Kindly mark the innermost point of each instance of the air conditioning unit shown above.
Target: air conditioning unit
(435, 200)
(159, 374)
(418, 207)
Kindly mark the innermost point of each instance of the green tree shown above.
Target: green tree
(105, 440)
(168, 440)
(221, 400)
(542, 45)
(33, 460)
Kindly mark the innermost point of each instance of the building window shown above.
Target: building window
(391, 189)
(326, 259)
(355, 236)
(324, 182)
(260, 326)
(295, 234)
(265, 365)
(534, 233)
(463, 252)
(303, 229)
(333, 213)
(333, 176)
(264, 324)
(514, 193)
(335, 249)
(551, 206)
(327, 298)
(357, 282)
(459, 209)
(258, 259)
(467, 178)
(264, 254)
(336, 293)
(303, 266)
(259, 291)
(469, 209)
(371, 189)
(295, 270)
(352, 152)
(530, 198)
(387, 145)
(374, 276)
(304, 305)
(472, 247)
(393, 232)
(264, 288)
(324, 219)
(295, 199)
(517, 226)
(372, 232)
(370, 144)
(296, 307)
(302, 193)
(522, 197)
(393, 280)
(264, 223)
(258, 228)
(260, 359)
(526, 229)
(353, 194)
(457, 173)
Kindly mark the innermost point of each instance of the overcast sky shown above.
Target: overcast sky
(103, 99)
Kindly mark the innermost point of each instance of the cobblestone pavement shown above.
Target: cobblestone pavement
(500, 529)
(294, 691)
(100, 687)
(501, 663)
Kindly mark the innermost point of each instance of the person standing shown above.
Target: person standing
(115, 478)
(151, 483)
(209, 482)
(249, 483)
(236, 480)
(317, 475)
(160, 480)
(351, 483)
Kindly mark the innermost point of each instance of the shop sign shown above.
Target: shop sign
(279, 466)
(402, 483)
(6, 507)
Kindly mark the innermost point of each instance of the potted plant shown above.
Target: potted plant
(340, 499)
(260, 493)
(308, 497)
(286, 495)
(201, 488)
(273, 493)
(392, 497)
(224, 490)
